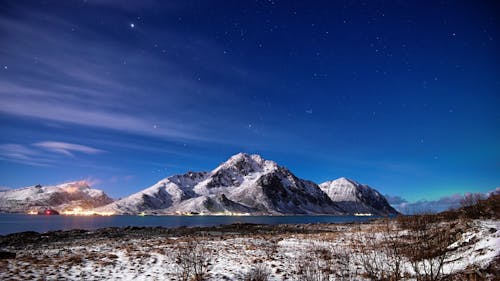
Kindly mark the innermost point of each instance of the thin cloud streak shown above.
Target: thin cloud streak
(81, 115)
(43, 154)
(23, 155)
(98, 88)
(67, 148)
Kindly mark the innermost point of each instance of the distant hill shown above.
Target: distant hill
(354, 197)
(59, 197)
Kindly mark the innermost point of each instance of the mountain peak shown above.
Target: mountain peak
(245, 157)
(354, 197)
(344, 180)
(76, 184)
(245, 163)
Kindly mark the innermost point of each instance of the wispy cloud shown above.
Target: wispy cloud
(18, 103)
(23, 155)
(94, 85)
(44, 153)
(67, 148)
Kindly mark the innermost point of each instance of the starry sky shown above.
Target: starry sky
(400, 95)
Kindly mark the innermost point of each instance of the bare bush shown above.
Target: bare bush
(417, 221)
(393, 248)
(193, 261)
(471, 199)
(473, 203)
(381, 253)
(343, 264)
(427, 248)
(324, 262)
(312, 270)
(314, 265)
(270, 248)
(258, 273)
(369, 255)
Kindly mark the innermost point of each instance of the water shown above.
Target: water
(11, 223)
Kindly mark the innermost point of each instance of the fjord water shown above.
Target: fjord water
(11, 223)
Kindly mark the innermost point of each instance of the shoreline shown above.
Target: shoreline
(12, 223)
(232, 251)
(208, 215)
(33, 237)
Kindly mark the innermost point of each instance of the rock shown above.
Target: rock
(7, 255)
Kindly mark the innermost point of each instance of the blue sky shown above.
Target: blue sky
(402, 96)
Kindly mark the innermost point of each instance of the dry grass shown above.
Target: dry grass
(335, 254)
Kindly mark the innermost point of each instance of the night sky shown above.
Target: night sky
(401, 95)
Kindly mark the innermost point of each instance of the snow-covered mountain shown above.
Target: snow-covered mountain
(58, 197)
(243, 184)
(354, 197)
(166, 193)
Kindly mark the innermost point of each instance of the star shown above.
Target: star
(5, 67)
(132, 25)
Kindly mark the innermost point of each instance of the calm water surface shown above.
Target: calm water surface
(10, 223)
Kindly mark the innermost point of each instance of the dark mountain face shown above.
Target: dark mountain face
(245, 184)
(289, 194)
(233, 171)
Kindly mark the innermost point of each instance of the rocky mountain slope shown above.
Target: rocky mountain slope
(243, 184)
(354, 197)
(59, 197)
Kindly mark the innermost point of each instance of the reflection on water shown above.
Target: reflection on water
(10, 223)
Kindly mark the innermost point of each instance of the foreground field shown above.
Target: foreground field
(381, 250)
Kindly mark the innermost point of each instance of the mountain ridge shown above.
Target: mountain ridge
(243, 184)
(61, 197)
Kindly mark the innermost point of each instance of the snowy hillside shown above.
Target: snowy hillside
(162, 195)
(59, 197)
(354, 197)
(243, 184)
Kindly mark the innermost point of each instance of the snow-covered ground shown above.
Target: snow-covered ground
(230, 256)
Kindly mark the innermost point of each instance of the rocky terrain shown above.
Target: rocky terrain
(238, 252)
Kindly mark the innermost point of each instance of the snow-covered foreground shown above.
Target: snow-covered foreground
(335, 252)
